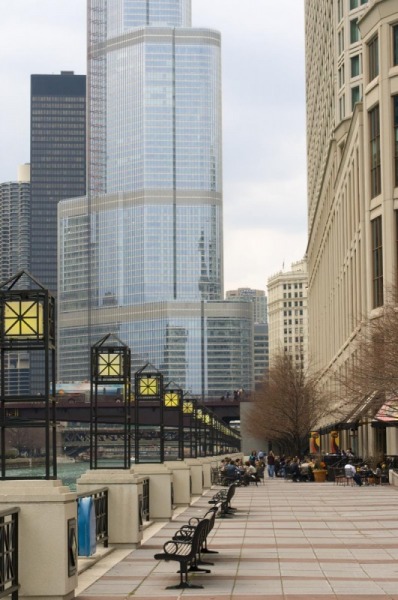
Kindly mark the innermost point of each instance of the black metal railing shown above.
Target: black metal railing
(9, 585)
(145, 500)
(100, 500)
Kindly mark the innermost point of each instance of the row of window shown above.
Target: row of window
(296, 295)
(353, 5)
(296, 303)
(372, 49)
(290, 286)
(377, 259)
(375, 153)
(287, 322)
(355, 69)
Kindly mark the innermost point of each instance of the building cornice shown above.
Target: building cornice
(377, 11)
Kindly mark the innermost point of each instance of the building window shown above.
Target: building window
(342, 107)
(375, 160)
(395, 100)
(340, 10)
(373, 50)
(341, 76)
(340, 38)
(354, 31)
(355, 66)
(395, 44)
(355, 96)
(353, 4)
(377, 251)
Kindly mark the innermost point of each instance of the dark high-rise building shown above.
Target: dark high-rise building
(58, 170)
(58, 162)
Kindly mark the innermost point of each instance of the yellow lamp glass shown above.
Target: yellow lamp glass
(187, 407)
(109, 364)
(199, 414)
(23, 319)
(172, 399)
(207, 419)
(148, 385)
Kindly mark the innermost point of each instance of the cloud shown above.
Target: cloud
(255, 254)
(264, 146)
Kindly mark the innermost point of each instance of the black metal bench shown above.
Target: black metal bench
(223, 498)
(187, 554)
(186, 532)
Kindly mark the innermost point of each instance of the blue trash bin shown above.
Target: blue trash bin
(86, 530)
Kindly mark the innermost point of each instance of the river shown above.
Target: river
(66, 472)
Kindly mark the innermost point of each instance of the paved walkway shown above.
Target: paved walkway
(287, 540)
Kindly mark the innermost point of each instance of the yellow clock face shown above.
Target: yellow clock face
(148, 386)
(23, 319)
(109, 365)
(171, 400)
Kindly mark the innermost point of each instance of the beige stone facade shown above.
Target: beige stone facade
(287, 313)
(352, 130)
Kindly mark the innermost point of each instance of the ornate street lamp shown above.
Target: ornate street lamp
(173, 405)
(27, 324)
(188, 409)
(148, 385)
(110, 365)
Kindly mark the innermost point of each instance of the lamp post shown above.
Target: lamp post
(173, 405)
(198, 427)
(27, 323)
(148, 385)
(188, 409)
(110, 364)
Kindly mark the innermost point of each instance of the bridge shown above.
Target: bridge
(76, 408)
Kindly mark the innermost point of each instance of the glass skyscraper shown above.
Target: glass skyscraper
(141, 255)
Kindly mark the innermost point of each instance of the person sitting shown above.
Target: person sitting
(377, 473)
(295, 470)
(250, 474)
(351, 473)
(230, 472)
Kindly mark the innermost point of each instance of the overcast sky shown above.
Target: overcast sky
(263, 115)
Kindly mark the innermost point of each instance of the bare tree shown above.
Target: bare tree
(288, 406)
(372, 377)
(25, 439)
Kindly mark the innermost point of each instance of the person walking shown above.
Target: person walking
(271, 464)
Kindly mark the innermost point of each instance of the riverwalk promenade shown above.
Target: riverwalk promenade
(287, 540)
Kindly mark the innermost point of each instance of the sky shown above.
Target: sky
(264, 145)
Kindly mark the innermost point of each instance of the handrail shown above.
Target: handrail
(9, 552)
(100, 499)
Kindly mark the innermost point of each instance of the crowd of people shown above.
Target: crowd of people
(241, 471)
(295, 468)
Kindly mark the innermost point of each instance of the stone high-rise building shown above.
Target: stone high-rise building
(352, 133)
(14, 257)
(288, 313)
